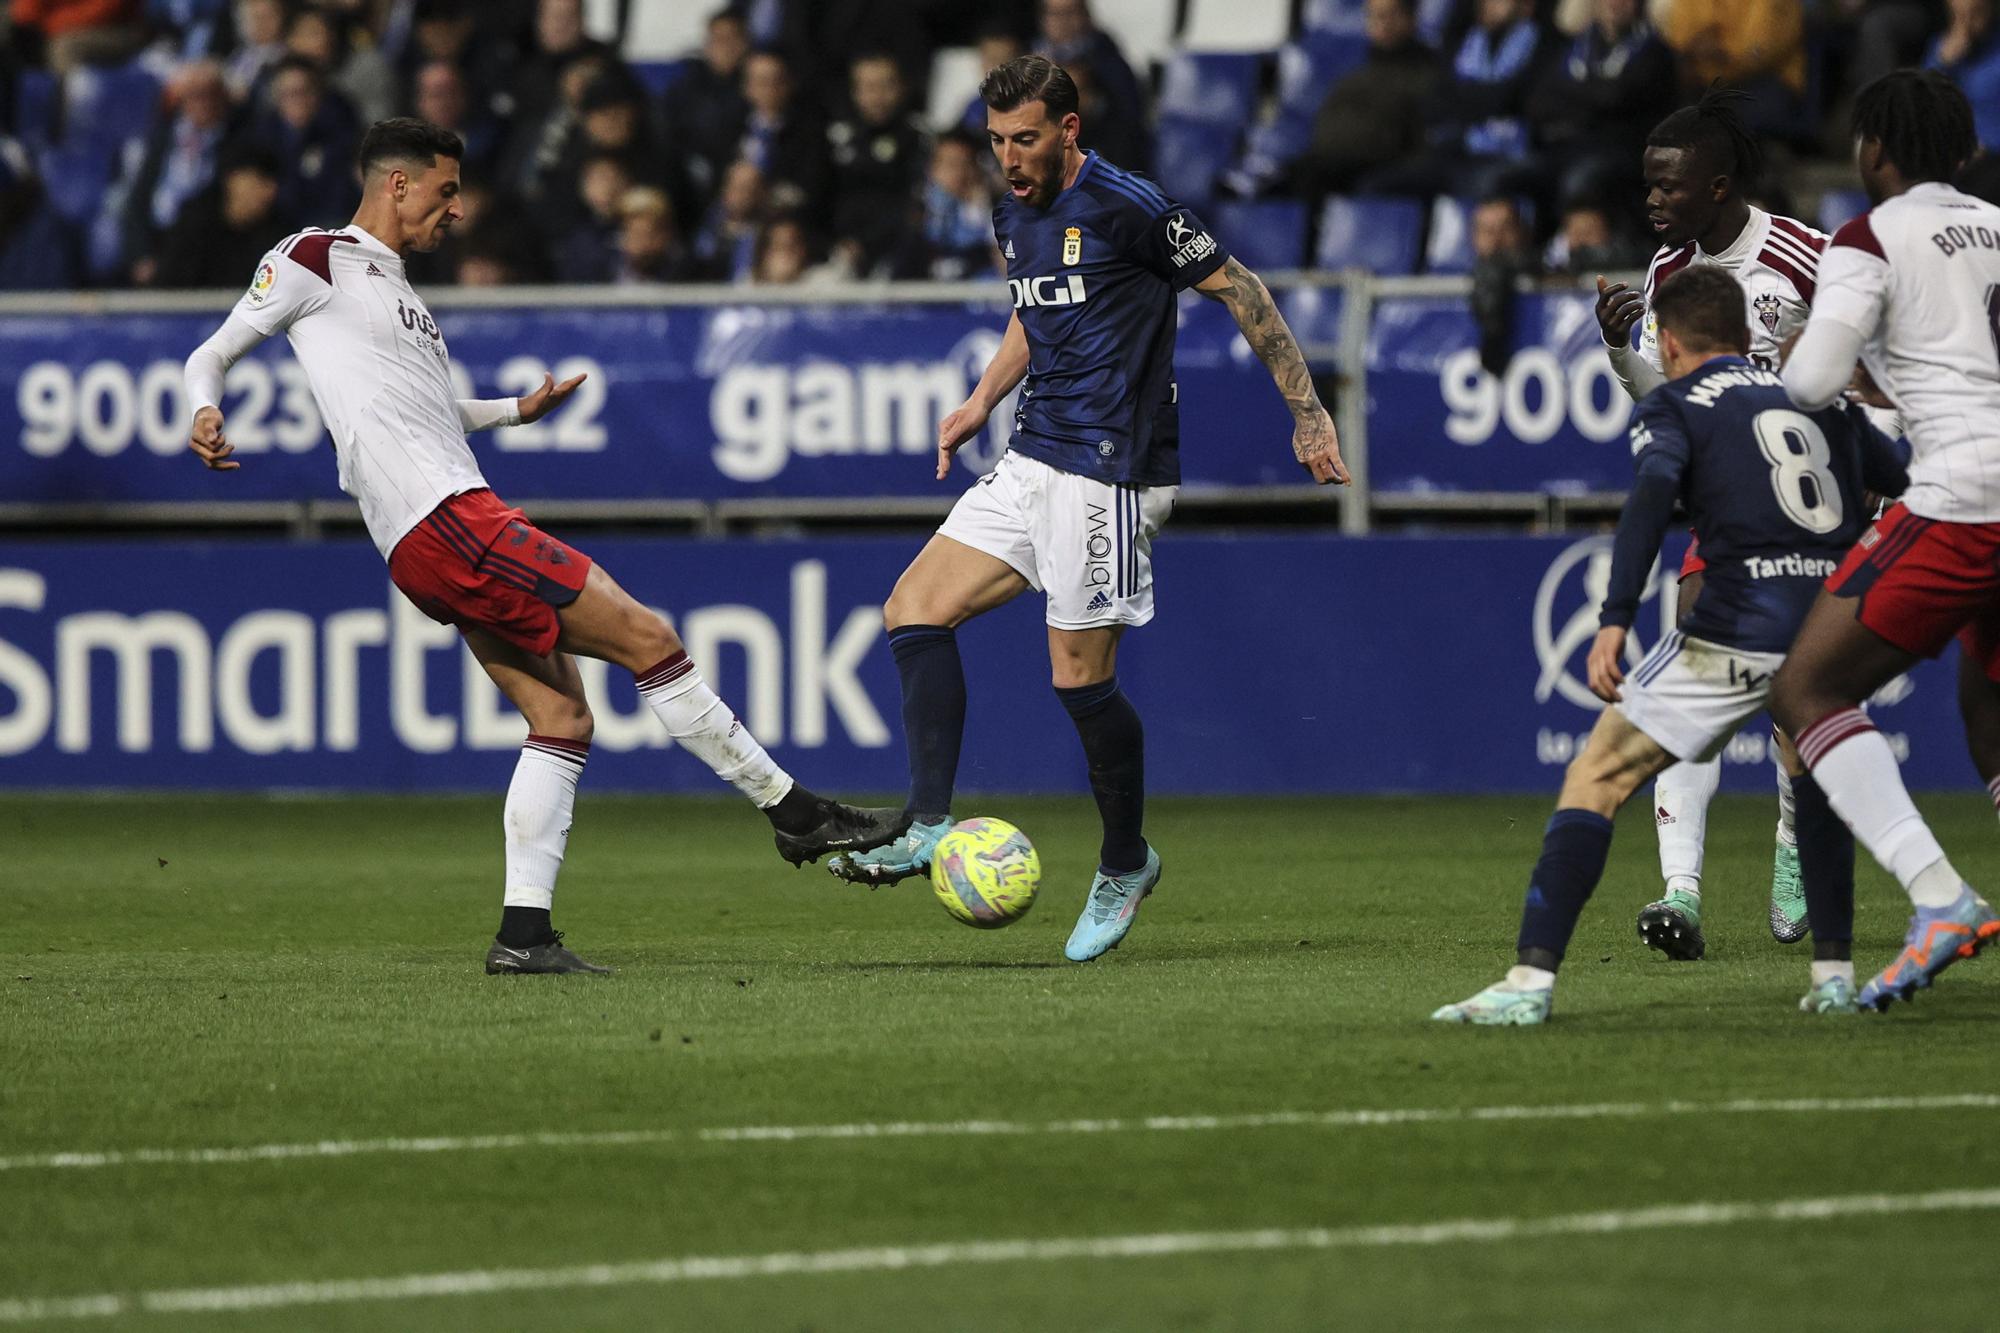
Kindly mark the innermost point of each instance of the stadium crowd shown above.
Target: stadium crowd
(166, 143)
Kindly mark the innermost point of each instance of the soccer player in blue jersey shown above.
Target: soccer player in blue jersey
(1095, 259)
(1777, 496)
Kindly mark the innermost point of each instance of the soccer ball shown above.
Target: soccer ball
(985, 872)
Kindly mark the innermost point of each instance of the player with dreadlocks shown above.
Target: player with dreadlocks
(1698, 165)
(1913, 289)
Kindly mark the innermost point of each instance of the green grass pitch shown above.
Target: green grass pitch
(226, 972)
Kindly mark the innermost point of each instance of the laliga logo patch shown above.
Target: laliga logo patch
(260, 286)
(1769, 309)
(1073, 246)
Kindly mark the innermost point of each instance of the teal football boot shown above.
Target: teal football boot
(1501, 1005)
(1673, 926)
(1835, 995)
(1109, 911)
(907, 855)
(1788, 897)
(1937, 938)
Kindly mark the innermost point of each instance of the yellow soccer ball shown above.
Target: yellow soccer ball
(985, 872)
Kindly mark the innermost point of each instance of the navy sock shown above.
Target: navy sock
(1114, 741)
(1573, 853)
(1826, 864)
(933, 713)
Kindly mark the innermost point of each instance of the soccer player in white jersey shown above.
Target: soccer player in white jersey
(526, 603)
(1912, 287)
(1696, 164)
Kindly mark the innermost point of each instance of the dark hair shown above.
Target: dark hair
(1026, 79)
(1703, 305)
(960, 137)
(1922, 121)
(299, 62)
(407, 139)
(1712, 130)
(250, 156)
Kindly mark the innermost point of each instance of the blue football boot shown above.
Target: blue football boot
(1937, 938)
(902, 857)
(1108, 913)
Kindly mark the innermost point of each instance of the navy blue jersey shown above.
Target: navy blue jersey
(1776, 495)
(1094, 277)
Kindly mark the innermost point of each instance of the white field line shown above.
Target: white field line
(1351, 1119)
(698, 1268)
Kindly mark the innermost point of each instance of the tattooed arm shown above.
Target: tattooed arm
(1314, 443)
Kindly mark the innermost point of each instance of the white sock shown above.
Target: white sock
(1522, 977)
(703, 724)
(1823, 972)
(1856, 769)
(1788, 807)
(1680, 814)
(539, 802)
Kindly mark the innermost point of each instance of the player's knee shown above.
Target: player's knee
(565, 718)
(652, 638)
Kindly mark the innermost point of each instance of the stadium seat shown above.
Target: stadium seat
(1314, 314)
(1237, 25)
(1189, 155)
(955, 76)
(1307, 69)
(659, 75)
(1840, 206)
(1267, 233)
(1215, 89)
(1383, 236)
(1448, 244)
(1144, 29)
(1333, 18)
(106, 112)
(35, 107)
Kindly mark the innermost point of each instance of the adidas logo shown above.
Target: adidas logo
(1099, 602)
(1010, 249)
(374, 272)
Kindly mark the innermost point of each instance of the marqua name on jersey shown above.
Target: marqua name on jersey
(1706, 393)
(1789, 566)
(1047, 290)
(1953, 239)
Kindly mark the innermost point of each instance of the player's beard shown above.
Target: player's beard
(1048, 179)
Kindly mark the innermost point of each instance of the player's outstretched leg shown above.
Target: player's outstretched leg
(1788, 916)
(1114, 746)
(1681, 796)
(541, 801)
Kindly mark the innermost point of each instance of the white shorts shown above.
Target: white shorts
(1085, 543)
(1691, 695)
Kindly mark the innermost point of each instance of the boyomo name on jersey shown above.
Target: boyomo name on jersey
(1953, 239)
(1046, 291)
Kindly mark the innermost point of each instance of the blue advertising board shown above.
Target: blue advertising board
(702, 403)
(1276, 664)
(1554, 422)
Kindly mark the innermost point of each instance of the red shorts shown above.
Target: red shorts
(1692, 563)
(1920, 581)
(475, 562)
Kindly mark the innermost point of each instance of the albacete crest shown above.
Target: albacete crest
(1073, 245)
(1769, 311)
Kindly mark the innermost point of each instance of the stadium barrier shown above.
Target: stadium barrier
(711, 404)
(1314, 663)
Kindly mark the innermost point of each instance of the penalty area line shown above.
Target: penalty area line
(1385, 1117)
(711, 1268)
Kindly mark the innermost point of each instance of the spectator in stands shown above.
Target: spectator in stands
(782, 138)
(75, 33)
(998, 44)
(879, 155)
(1502, 251)
(1590, 241)
(1373, 116)
(786, 257)
(498, 227)
(38, 250)
(649, 243)
(1968, 53)
(1477, 123)
(726, 245)
(260, 44)
(539, 146)
(1758, 46)
(449, 30)
(179, 161)
(704, 108)
(442, 98)
(1887, 34)
(588, 248)
(357, 72)
(221, 234)
(1594, 106)
(1110, 131)
(1071, 39)
(559, 41)
(312, 132)
(958, 211)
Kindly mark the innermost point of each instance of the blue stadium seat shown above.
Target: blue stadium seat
(1188, 155)
(1840, 206)
(1314, 314)
(1307, 69)
(109, 107)
(659, 75)
(35, 107)
(1333, 18)
(1267, 233)
(1384, 236)
(1217, 89)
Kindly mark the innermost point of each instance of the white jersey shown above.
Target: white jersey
(1919, 279)
(378, 368)
(1777, 261)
